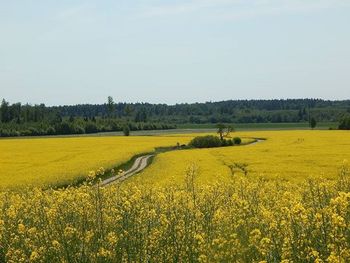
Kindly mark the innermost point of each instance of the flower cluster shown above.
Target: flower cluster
(46, 162)
(244, 220)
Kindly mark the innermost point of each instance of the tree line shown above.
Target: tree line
(18, 119)
(37, 120)
(231, 111)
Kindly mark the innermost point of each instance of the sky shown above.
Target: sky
(74, 52)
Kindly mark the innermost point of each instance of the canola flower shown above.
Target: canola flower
(232, 204)
(291, 155)
(285, 155)
(245, 219)
(55, 161)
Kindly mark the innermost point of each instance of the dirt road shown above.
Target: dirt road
(139, 164)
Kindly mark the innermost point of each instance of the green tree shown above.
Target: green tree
(313, 123)
(344, 123)
(128, 110)
(5, 113)
(15, 112)
(141, 115)
(237, 140)
(126, 130)
(205, 141)
(110, 106)
(221, 130)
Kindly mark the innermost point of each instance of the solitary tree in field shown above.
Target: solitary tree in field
(313, 123)
(110, 106)
(221, 130)
(126, 130)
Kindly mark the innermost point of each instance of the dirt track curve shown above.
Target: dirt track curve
(139, 164)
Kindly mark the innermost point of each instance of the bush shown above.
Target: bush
(64, 128)
(26, 133)
(91, 128)
(51, 131)
(79, 130)
(34, 131)
(115, 126)
(8, 133)
(237, 140)
(344, 124)
(126, 130)
(208, 141)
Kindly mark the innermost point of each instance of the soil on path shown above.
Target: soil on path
(139, 164)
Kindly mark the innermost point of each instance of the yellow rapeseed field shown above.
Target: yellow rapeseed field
(242, 220)
(291, 155)
(44, 161)
(228, 204)
(285, 154)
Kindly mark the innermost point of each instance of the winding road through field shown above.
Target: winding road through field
(139, 164)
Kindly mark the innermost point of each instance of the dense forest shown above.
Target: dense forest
(17, 119)
(232, 111)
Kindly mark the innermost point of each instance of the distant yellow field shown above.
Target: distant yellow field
(285, 154)
(244, 219)
(44, 161)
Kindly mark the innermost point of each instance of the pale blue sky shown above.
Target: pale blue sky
(68, 52)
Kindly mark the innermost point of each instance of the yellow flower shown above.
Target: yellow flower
(88, 236)
(21, 228)
(199, 238)
(338, 221)
(255, 236)
(91, 176)
(333, 258)
(112, 238)
(55, 244)
(104, 253)
(202, 258)
(69, 232)
(34, 256)
(264, 245)
(32, 231)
